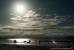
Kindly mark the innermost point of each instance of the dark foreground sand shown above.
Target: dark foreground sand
(13, 47)
(16, 47)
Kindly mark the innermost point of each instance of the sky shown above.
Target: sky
(39, 15)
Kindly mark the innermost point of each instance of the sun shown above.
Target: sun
(20, 8)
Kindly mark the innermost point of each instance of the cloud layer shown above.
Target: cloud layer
(32, 23)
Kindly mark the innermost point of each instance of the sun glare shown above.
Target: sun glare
(20, 8)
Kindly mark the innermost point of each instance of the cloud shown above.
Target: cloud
(31, 18)
(52, 31)
(32, 24)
